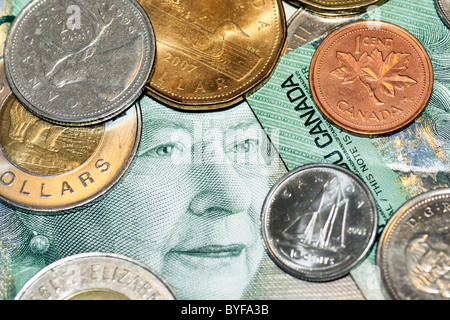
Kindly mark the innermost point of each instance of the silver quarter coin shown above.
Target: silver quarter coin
(79, 62)
(443, 8)
(319, 221)
(96, 276)
(414, 249)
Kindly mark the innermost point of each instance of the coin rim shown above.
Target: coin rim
(87, 255)
(388, 288)
(133, 94)
(442, 14)
(334, 9)
(55, 210)
(243, 91)
(371, 132)
(305, 273)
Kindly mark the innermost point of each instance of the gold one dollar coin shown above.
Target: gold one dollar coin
(212, 53)
(47, 168)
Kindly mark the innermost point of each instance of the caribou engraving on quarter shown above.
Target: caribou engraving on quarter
(78, 61)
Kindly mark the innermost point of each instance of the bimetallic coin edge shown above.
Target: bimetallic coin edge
(66, 209)
(309, 276)
(87, 255)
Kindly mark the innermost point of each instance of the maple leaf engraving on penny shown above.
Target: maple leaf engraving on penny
(375, 73)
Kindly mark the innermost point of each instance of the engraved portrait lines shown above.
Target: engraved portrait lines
(42, 148)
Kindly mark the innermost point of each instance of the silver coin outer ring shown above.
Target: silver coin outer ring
(402, 213)
(308, 274)
(442, 13)
(84, 121)
(87, 255)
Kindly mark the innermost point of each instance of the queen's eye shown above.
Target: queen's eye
(246, 146)
(161, 151)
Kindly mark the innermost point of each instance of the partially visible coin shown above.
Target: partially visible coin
(305, 26)
(211, 54)
(79, 62)
(47, 168)
(96, 276)
(319, 221)
(336, 7)
(414, 249)
(443, 8)
(371, 77)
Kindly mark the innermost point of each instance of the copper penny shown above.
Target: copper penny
(212, 53)
(371, 77)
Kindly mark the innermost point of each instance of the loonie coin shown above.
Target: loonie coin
(443, 8)
(336, 7)
(47, 167)
(371, 77)
(319, 221)
(211, 54)
(96, 276)
(79, 62)
(414, 249)
(305, 26)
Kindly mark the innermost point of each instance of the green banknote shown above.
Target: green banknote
(189, 207)
(395, 167)
(8, 11)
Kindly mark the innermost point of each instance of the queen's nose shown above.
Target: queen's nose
(221, 188)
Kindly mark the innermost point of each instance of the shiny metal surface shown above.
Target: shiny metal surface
(47, 168)
(306, 25)
(371, 77)
(319, 221)
(211, 54)
(79, 74)
(414, 249)
(443, 8)
(96, 276)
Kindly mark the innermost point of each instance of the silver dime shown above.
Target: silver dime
(414, 249)
(79, 61)
(443, 8)
(96, 276)
(319, 221)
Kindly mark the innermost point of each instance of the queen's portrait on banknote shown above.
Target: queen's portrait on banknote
(189, 206)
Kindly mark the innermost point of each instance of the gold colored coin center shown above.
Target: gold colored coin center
(98, 294)
(43, 148)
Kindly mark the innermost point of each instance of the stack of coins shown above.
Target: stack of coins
(71, 124)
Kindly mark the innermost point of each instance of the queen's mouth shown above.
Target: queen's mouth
(213, 251)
